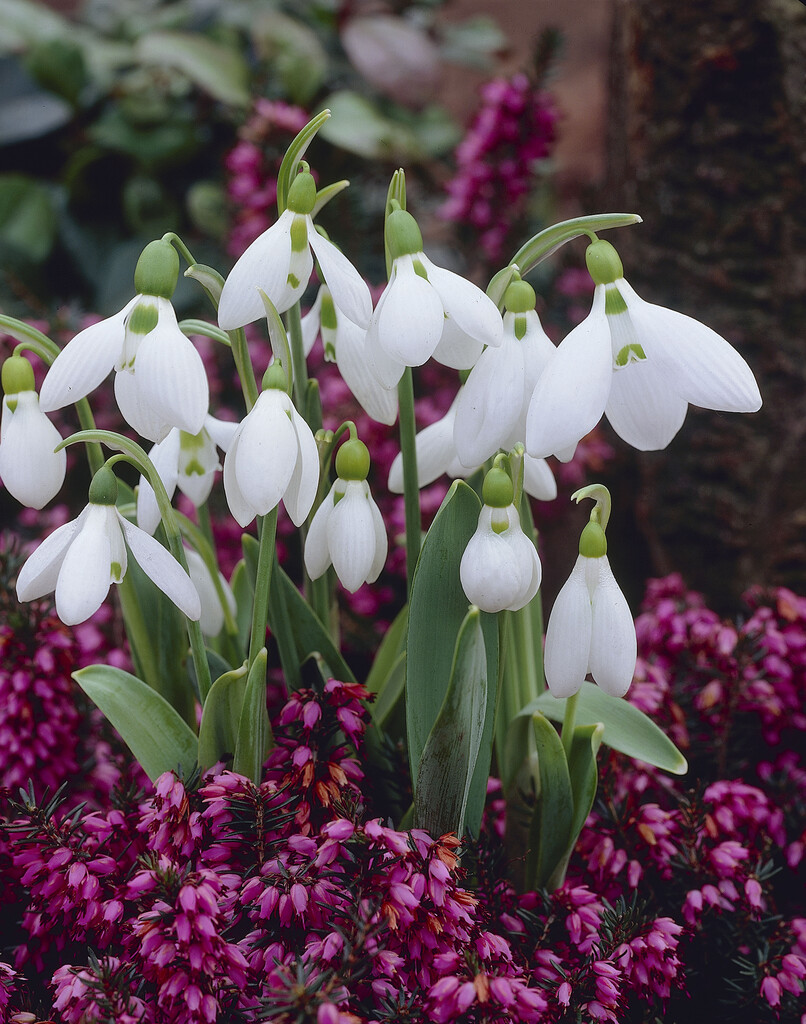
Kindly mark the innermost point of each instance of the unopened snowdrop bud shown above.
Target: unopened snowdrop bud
(591, 628)
(500, 568)
(81, 559)
(347, 530)
(426, 311)
(29, 467)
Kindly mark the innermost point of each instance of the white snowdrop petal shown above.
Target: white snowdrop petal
(568, 636)
(86, 572)
(435, 453)
(457, 349)
(263, 265)
(488, 404)
(267, 451)
(300, 493)
(300, 268)
(410, 321)
(699, 364)
(538, 480)
(310, 324)
(29, 467)
(162, 569)
(642, 409)
(40, 572)
(356, 369)
(572, 391)
(348, 288)
(211, 620)
(221, 431)
(165, 457)
(136, 411)
(351, 536)
(242, 511)
(613, 642)
(489, 572)
(473, 312)
(528, 563)
(317, 552)
(381, 540)
(537, 351)
(84, 362)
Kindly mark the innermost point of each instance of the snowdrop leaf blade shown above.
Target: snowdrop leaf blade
(162, 569)
(446, 767)
(391, 648)
(41, 571)
(552, 820)
(613, 640)
(568, 636)
(583, 774)
(254, 739)
(154, 732)
(221, 717)
(348, 288)
(625, 727)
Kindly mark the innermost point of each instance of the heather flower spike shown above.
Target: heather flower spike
(591, 627)
(160, 381)
(280, 263)
(426, 311)
(81, 559)
(639, 364)
(500, 568)
(29, 467)
(347, 530)
(272, 456)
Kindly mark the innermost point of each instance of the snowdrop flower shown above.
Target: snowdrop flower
(212, 617)
(426, 311)
(347, 530)
(81, 559)
(500, 568)
(280, 263)
(272, 455)
(590, 628)
(436, 454)
(639, 364)
(159, 380)
(494, 401)
(345, 345)
(30, 468)
(185, 460)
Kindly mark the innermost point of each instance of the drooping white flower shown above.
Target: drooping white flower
(211, 620)
(347, 529)
(280, 263)
(160, 380)
(81, 560)
(272, 456)
(426, 311)
(500, 567)
(29, 467)
(187, 461)
(590, 628)
(345, 344)
(639, 364)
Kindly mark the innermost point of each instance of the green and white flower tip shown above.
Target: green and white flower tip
(280, 262)
(640, 364)
(187, 461)
(345, 344)
(426, 311)
(347, 530)
(29, 467)
(500, 569)
(272, 457)
(591, 627)
(494, 401)
(212, 616)
(81, 560)
(160, 381)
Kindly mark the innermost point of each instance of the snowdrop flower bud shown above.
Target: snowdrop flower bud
(500, 568)
(426, 311)
(272, 456)
(280, 263)
(590, 628)
(81, 559)
(29, 467)
(639, 364)
(212, 613)
(347, 530)
(160, 380)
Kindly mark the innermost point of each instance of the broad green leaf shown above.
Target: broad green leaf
(295, 152)
(388, 653)
(448, 761)
(153, 731)
(324, 195)
(552, 821)
(625, 727)
(298, 58)
(254, 740)
(388, 699)
(221, 718)
(215, 68)
(358, 126)
(27, 217)
(514, 750)
(437, 610)
(210, 279)
(243, 591)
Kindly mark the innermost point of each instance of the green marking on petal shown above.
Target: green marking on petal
(117, 571)
(330, 353)
(419, 269)
(632, 353)
(614, 302)
(143, 318)
(293, 280)
(327, 312)
(338, 494)
(299, 234)
(194, 467)
(520, 327)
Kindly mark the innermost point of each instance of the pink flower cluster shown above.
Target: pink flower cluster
(514, 128)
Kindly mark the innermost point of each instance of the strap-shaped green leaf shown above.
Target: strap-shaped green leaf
(221, 718)
(156, 735)
(550, 833)
(254, 739)
(294, 153)
(446, 768)
(625, 727)
(387, 655)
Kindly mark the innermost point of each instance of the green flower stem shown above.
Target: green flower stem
(298, 365)
(508, 702)
(260, 608)
(32, 340)
(177, 243)
(132, 451)
(206, 330)
(243, 366)
(568, 724)
(411, 490)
